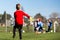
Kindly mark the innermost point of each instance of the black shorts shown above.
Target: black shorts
(18, 25)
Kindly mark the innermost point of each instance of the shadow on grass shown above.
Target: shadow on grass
(4, 39)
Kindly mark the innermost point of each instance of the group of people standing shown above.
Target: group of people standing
(39, 25)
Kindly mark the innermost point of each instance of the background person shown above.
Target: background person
(40, 25)
(55, 25)
(49, 24)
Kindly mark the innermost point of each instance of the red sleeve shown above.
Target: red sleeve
(26, 15)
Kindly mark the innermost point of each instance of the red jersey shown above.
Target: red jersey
(19, 16)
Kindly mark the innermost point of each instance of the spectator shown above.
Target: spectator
(49, 24)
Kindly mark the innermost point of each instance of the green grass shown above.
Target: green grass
(28, 35)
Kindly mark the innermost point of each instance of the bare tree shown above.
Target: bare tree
(38, 15)
(54, 15)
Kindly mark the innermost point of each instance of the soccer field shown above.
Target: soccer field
(30, 36)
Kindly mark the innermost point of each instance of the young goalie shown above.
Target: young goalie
(18, 15)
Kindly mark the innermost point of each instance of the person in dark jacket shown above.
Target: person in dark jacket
(49, 24)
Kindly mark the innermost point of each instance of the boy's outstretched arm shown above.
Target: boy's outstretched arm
(26, 15)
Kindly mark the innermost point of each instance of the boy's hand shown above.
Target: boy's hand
(31, 19)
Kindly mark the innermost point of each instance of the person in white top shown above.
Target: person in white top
(35, 25)
(55, 25)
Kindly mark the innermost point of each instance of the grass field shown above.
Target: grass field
(29, 35)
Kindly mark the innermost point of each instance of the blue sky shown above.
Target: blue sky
(32, 7)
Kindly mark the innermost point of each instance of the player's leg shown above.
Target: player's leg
(48, 28)
(34, 29)
(14, 30)
(54, 28)
(41, 29)
(20, 32)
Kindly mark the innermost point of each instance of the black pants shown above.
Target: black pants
(49, 29)
(40, 29)
(35, 29)
(19, 27)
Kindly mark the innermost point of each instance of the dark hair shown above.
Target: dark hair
(17, 6)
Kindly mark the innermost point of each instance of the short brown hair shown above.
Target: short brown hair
(17, 6)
